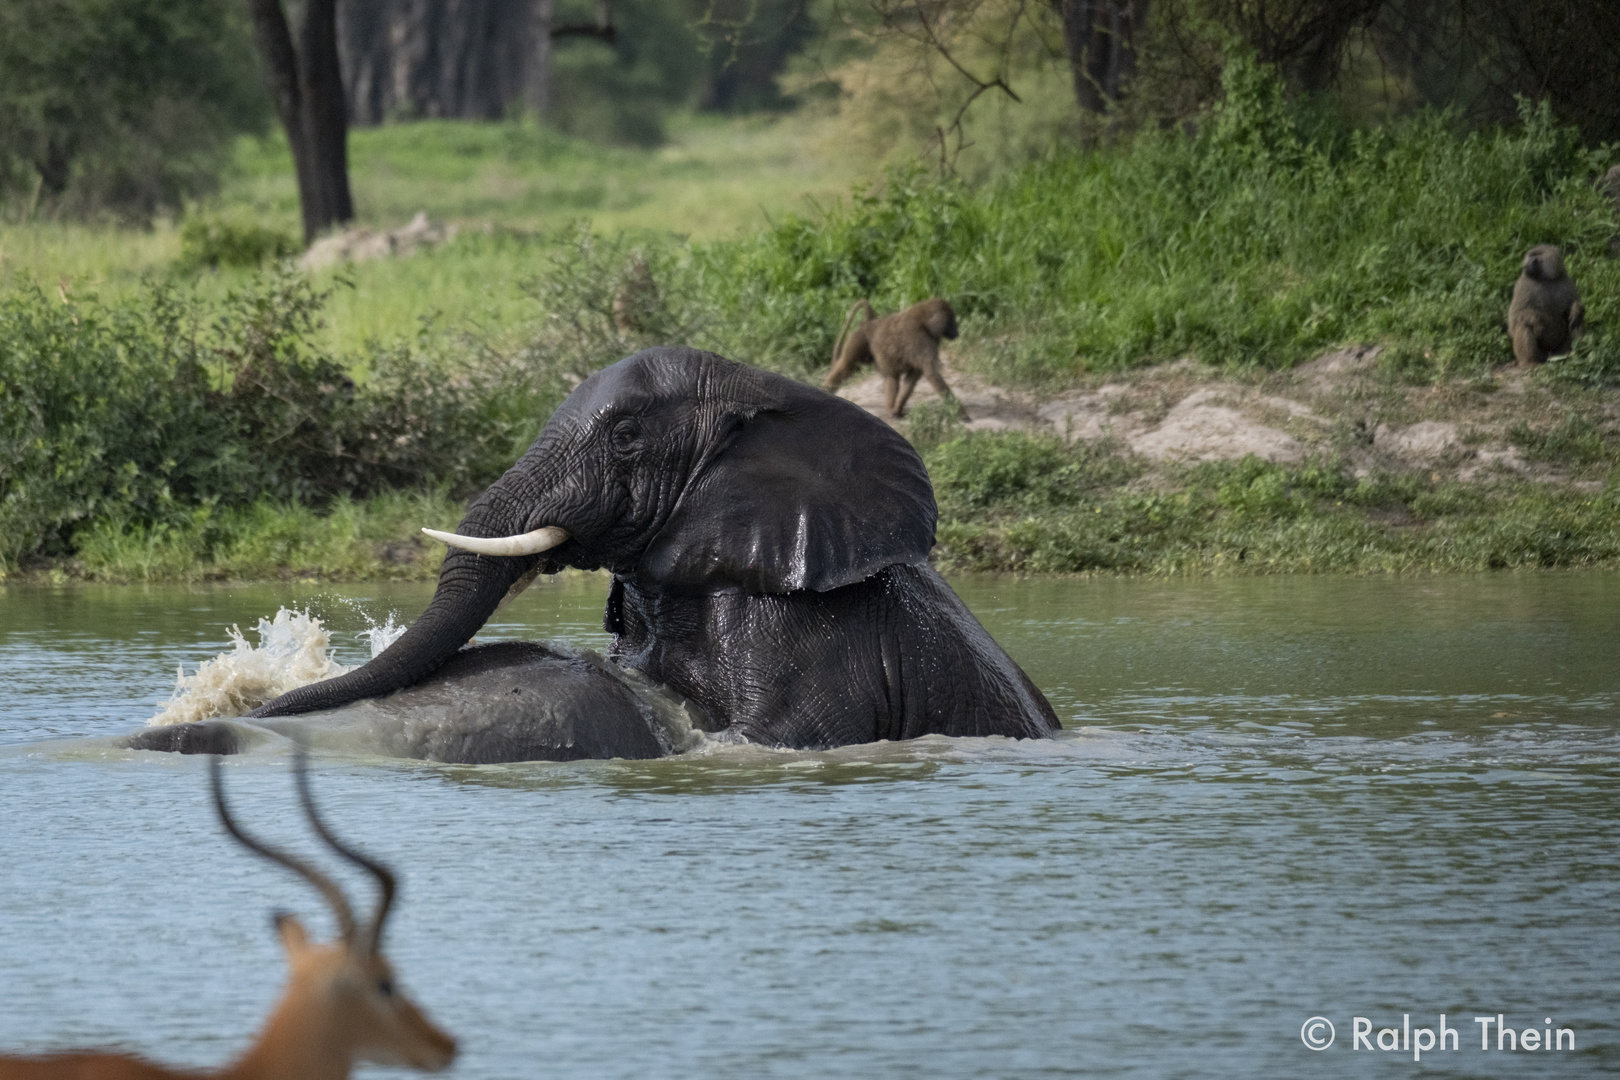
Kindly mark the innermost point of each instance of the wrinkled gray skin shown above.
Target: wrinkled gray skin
(769, 547)
(512, 701)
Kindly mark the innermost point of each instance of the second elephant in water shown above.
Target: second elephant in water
(768, 543)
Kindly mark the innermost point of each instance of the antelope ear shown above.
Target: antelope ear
(810, 492)
(293, 937)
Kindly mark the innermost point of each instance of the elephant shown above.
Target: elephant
(508, 701)
(768, 544)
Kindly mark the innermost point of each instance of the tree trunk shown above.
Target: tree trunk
(326, 117)
(307, 85)
(1100, 37)
(452, 59)
(537, 91)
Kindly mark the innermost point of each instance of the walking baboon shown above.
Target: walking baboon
(904, 347)
(1546, 312)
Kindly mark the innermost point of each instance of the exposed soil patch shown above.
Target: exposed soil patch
(1340, 405)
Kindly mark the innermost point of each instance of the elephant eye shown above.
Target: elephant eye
(626, 436)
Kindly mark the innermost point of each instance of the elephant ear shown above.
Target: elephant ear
(810, 492)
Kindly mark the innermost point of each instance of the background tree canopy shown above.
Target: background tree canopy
(128, 106)
(125, 106)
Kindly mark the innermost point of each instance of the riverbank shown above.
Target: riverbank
(1261, 347)
(1174, 470)
(1337, 466)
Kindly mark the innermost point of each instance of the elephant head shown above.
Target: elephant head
(682, 471)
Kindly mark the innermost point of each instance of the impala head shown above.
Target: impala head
(342, 1003)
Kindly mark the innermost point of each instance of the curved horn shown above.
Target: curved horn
(384, 876)
(529, 543)
(334, 895)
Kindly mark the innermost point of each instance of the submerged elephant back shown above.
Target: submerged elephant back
(894, 657)
(503, 702)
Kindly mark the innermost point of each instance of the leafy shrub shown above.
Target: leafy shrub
(984, 469)
(1595, 359)
(212, 243)
(586, 275)
(102, 415)
(142, 413)
(1254, 488)
(930, 423)
(1253, 516)
(268, 538)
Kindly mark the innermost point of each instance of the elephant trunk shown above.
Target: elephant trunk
(470, 588)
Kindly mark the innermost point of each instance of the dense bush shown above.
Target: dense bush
(101, 415)
(212, 243)
(978, 470)
(144, 411)
(1015, 507)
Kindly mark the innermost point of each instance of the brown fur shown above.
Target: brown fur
(341, 1005)
(1546, 312)
(904, 347)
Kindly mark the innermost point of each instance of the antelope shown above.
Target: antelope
(341, 1005)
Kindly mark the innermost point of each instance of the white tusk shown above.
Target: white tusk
(529, 543)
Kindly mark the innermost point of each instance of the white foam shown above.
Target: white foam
(382, 636)
(294, 649)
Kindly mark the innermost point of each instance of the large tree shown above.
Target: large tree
(306, 83)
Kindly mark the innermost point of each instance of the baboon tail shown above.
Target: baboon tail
(849, 324)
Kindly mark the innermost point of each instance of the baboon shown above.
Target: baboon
(637, 299)
(1546, 312)
(904, 347)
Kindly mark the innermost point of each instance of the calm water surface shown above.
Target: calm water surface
(1277, 799)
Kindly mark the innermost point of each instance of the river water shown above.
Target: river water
(1277, 799)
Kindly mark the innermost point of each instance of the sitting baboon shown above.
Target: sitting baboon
(636, 303)
(1546, 312)
(904, 347)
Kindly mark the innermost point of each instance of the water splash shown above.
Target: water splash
(294, 649)
(382, 636)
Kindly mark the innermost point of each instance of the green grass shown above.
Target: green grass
(714, 176)
(1008, 502)
(378, 539)
(1260, 242)
(84, 257)
(508, 186)
(1265, 238)
(1028, 504)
